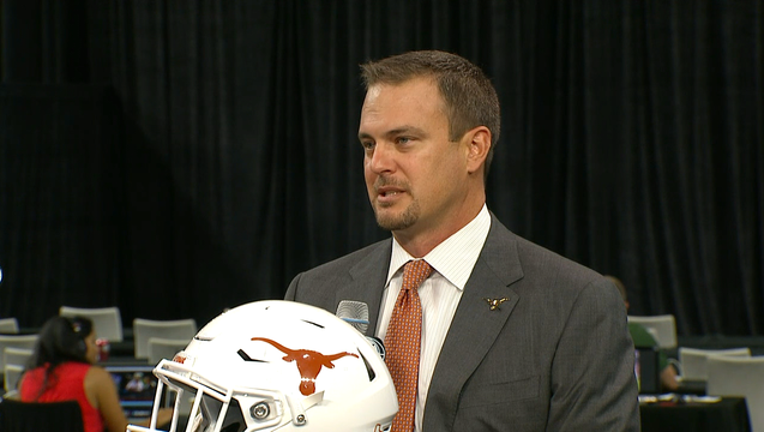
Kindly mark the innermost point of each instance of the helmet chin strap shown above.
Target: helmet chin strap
(298, 405)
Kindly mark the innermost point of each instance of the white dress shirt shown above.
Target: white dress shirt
(452, 261)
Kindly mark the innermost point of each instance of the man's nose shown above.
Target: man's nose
(382, 159)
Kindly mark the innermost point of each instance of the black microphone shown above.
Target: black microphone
(356, 314)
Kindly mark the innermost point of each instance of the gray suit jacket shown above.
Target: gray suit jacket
(556, 356)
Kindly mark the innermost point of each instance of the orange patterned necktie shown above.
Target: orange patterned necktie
(403, 343)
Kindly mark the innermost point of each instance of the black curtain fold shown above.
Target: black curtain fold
(179, 157)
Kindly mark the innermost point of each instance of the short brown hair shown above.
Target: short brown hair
(469, 96)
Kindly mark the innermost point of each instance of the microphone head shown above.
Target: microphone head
(355, 313)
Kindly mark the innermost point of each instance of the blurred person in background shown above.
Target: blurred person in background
(643, 339)
(63, 367)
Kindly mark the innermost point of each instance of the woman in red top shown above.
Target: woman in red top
(63, 368)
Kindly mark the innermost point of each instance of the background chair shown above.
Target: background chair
(16, 416)
(11, 375)
(15, 341)
(15, 360)
(662, 327)
(739, 376)
(107, 321)
(16, 356)
(144, 329)
(9, 325)
(693, 362)
(159, 348)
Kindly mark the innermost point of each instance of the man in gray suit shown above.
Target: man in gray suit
(514, 336)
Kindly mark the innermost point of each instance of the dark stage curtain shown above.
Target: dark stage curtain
(177, 157)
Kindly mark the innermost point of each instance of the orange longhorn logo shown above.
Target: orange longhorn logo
(309, 363)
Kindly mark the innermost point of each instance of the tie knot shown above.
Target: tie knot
(415, 272)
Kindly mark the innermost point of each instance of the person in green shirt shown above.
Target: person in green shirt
(643, 339)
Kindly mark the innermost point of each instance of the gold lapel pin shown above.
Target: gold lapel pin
(494, 303)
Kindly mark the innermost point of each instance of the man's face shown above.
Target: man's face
(415, 177)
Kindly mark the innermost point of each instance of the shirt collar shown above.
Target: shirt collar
(455, 257)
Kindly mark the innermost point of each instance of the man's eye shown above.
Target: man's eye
(368, 145)
(402, 140)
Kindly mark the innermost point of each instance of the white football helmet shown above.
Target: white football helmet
(277, 366)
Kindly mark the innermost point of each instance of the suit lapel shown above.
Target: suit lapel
(475, 326)
(368, 281)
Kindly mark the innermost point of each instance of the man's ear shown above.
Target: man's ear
(478, 145)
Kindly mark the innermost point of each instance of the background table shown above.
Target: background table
(729, 415)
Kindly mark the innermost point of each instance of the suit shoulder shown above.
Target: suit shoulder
(541, 264)
(324, 280)
(348, 261)
(546, 258)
